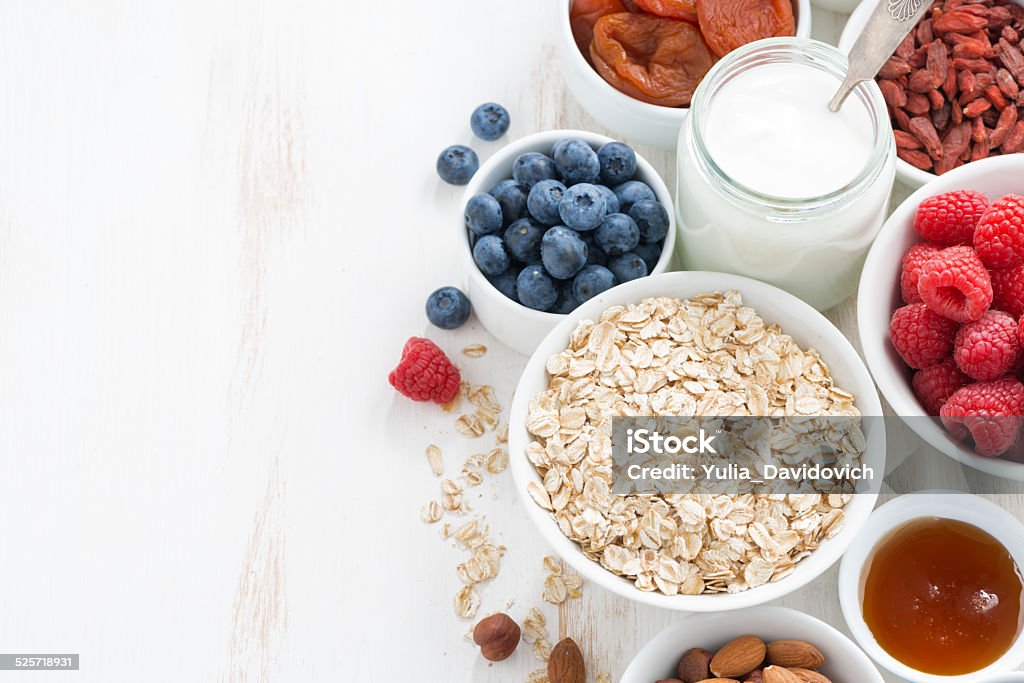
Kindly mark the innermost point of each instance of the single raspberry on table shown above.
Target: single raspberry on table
(999, 237)
(989, 347)
(955, 284)
(913, 260)
(950, 218)
(1008, 289)
(936, 383)
(921, 336)
(990, 412)
(425, 373)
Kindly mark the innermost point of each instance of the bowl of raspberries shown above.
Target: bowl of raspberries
(554, 219)
(941, 314)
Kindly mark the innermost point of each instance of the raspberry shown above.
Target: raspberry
(915, 257)
(921, 336)
(950, 218)
(989, 411)
(988, 347)
(955, 284)
(1008, 289)
(999, 237)
(936, 383)
(425, 373)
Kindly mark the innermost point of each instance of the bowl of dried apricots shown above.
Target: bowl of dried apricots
(635, 64)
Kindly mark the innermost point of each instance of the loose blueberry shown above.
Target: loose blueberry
(457, 164)
(543, 201)
(591, 281)
(618, 163)
(650, 252)
(531, 168)
(563, 252)
(566, 301)
(652, 219)
(627, 267)
(511, 197)
(489, 255)
(489, 121)
(506, 283)
(576, 162)
(447, 308)
(536, 288)
(610, 200)
(582, 207)
(483, 214)
(617, 234)
(522, 240)
(630, 192)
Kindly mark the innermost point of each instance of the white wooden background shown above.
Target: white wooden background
(218, 224)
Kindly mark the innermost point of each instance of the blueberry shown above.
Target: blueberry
(627, 267)
(618, 163)
(566, 301)
(483, 214)
(582, 207)
(511, 198)
(650, 252)
(447, 308)
(543, 201)
(457, 164)
(595, 254)
(489, 255)
(652, 219)
(576, 162)
(536, 289)
(561, 142)
(591, 281)
(610, 200)
(506, 283)
(531, 168)
(630, 192)
(522, 240)
(563, 252)
(617, 234)
(489, 121)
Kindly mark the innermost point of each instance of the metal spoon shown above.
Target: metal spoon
(888, 25)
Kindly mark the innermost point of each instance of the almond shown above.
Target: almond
(808, 676)
(794, 654)
(780, 674)
(565, 665)
(738, 657)
(695, 665)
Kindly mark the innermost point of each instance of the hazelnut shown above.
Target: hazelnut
(497, 636)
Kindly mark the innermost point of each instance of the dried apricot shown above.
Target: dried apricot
(729, 24)
(653, 59)
(673, 9)
(584, 14)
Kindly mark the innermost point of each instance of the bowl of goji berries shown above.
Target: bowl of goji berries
(941, 314)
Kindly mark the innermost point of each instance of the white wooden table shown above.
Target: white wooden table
(218, 225)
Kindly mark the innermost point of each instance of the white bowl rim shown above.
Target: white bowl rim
(900, 397)
(524, 144)
(892, 515)
(672, 284)
(751, 615)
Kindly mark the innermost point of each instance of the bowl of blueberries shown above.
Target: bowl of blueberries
(554, 219)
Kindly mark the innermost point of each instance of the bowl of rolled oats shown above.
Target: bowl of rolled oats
(722, 350)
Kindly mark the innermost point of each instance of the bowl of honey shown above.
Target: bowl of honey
(932, 589)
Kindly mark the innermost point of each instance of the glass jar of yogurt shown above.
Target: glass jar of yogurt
(773, 185)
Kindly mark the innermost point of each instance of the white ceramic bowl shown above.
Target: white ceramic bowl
(1010, 677)
(808, 327)
(516, 325)
(907, 174)
(973, 510)
(637, 121)
(879, 295)
(657, 660)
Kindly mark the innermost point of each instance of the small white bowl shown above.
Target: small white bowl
(909, 175)
(796, 318)
(516, 325)
(973, 510)
(1010, 677)
(657, 660)
(638, 121)
(879, 295)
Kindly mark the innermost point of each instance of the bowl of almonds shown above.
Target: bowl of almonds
(693, 344)
(756, 645)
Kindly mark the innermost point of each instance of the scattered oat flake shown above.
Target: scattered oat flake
(538, 676)
(466, 602)
(431, 512)
(475, 350)
(542, 649)
(553, 565)
(555, 591)
(502, 437)
(497, 460)
(434, 458)
(469, 425)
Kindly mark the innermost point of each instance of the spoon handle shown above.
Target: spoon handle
(888, 25)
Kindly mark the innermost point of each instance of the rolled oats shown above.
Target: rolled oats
(431, 512)
(475, 350)
(434, 458)
(466, 602)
